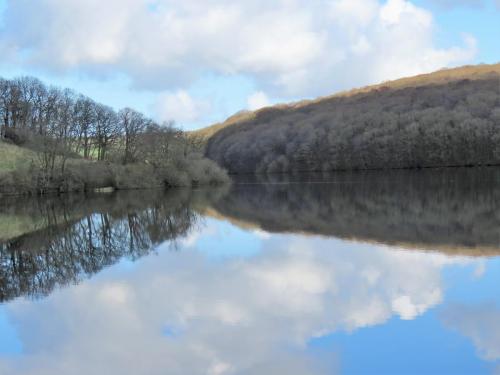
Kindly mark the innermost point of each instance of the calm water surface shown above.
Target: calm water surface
(353, 273)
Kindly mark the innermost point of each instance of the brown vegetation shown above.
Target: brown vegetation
(447, 118)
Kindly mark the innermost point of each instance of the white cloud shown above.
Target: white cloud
(296, 48)
(394, 12)
(180, 107)
(286, 295)
(261, 234)
(478, 323)
(257, 100)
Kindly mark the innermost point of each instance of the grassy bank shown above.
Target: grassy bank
(20, 174)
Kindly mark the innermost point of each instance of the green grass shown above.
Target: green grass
(14, 157)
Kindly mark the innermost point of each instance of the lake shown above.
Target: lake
(371, 273)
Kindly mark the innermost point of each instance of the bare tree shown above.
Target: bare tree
(85, 117)
(132, 124)
(106, 130)
(158, 144)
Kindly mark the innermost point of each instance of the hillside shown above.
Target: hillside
(447, 118)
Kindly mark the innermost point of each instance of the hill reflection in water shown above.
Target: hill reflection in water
(448, 210)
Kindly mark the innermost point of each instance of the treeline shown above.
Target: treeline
(63, 126)
(451, 210)
(451, 123)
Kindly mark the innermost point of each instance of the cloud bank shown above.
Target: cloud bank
(289, 47)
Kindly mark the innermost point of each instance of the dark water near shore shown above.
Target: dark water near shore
(393, 272)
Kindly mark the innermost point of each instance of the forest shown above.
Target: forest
(448, 118)
(74, 143)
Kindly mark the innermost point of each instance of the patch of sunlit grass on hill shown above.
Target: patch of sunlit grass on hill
(13, 157)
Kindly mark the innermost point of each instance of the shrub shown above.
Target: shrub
(202, 171)
(19, 137)
(134, 176)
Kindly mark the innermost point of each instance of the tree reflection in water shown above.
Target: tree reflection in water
(78, 236)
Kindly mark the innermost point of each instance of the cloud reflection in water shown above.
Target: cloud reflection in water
(248, 315)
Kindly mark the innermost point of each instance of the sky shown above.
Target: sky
(199, 61)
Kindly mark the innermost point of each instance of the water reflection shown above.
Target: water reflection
(181, 313)
(451, 210)
(302, 300)
(73, 237)
(479, 323)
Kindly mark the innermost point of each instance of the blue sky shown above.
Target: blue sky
(198, 62)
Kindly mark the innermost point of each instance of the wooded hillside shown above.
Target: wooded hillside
(447, 118)
(55, 140)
